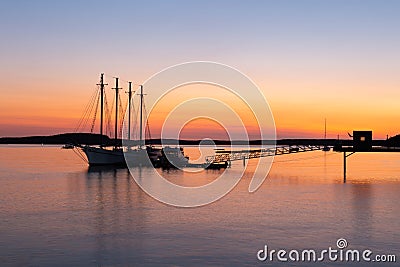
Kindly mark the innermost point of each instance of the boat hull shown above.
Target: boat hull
(97, 156)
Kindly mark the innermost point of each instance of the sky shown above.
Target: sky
(338, 60)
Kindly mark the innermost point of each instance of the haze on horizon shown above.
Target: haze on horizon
(312, 60)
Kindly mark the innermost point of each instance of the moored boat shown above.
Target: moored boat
(118, 154)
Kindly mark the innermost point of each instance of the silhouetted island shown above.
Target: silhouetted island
(66, 138)
(94, 139)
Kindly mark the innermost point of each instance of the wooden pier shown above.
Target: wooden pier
(228, 156)
(362, 142)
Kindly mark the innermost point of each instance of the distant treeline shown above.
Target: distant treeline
(96, 139)
(67, 138)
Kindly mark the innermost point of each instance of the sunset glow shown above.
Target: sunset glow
(340, 62)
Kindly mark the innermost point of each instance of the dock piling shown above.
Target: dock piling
(345, 156)
(344, 167)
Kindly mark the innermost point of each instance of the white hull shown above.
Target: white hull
(101, 156)
(97, 156)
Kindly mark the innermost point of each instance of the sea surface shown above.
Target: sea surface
(55, 211)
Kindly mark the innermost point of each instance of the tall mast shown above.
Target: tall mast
(141, 117)
(116, 110)
(129, 110)
(102, 84)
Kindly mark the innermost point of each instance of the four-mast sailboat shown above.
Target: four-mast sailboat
(114, 155)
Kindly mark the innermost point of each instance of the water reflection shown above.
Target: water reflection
(119, 221)
(362, 196)
(105, 169)
(56, 211)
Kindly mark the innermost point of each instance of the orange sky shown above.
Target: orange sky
(44, 110)
(332, 60)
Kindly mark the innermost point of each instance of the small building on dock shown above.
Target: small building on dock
(362, 140)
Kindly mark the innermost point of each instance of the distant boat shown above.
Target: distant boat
(325, 148)
(68, 146)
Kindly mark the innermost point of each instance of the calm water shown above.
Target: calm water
(56, 212)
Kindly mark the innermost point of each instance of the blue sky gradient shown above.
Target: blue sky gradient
(296, 51)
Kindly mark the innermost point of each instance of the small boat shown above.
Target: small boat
(173, 157)
(68, 146)
(326, 148)
(217, 166)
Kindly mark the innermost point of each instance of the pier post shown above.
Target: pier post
(345, 164)
(244, 161)
(344, 167)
